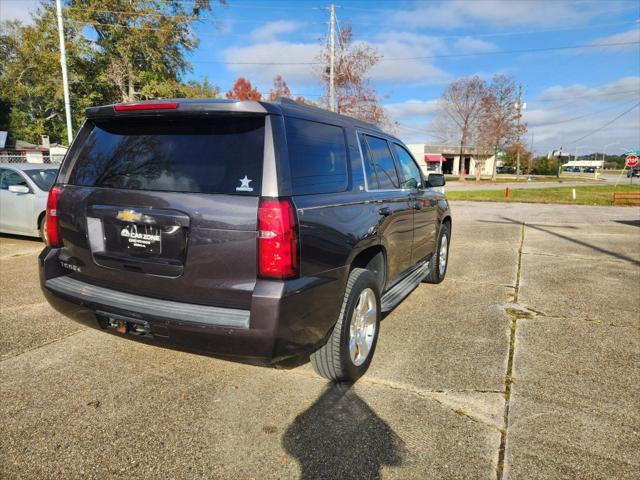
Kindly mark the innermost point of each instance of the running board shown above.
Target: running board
(404, 287)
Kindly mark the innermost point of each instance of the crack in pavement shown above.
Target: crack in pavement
(524, 312)
(434, 395)
(576, 257)
(42, 345)
(508, 379)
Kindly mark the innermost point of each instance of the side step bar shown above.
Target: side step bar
(404, 287)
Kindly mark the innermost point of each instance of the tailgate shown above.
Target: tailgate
(166, 208)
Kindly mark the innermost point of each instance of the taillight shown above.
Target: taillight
(127, 107)
(277, 239)
(53, 237)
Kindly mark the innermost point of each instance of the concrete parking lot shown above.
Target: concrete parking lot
(524, 363)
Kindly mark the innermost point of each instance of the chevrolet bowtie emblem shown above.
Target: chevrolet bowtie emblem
(129, 216)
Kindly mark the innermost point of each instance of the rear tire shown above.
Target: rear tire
(438, 269)
(43, 228)
(348, 352)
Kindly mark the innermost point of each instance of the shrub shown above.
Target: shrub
(545, 166)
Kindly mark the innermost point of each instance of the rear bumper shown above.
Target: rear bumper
(287, 319)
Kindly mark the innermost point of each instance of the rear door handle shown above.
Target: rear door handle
(384, 211)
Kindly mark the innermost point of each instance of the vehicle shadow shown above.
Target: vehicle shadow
(21, 237)
(595, 248)
(340, 436)
(633, 223)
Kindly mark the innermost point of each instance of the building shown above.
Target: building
(19, 151)
(446, 159)
(565, 160)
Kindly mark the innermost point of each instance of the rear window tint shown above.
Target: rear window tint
(317, 157)
(178, 155)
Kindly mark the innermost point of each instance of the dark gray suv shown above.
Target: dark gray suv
(263, 232)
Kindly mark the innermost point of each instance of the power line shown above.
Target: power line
(606, 124)
(504, 52)
(218, 19)
(569, 120)
(601, 94)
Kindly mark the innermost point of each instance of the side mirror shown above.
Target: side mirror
(19, 189)
(436, 180)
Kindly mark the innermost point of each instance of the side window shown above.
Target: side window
(372, 179)
(411, 177)
(10, 178)
(382, 163)
(317, 157)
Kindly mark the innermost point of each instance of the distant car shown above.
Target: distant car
(633, 172)
(572, 169)
(590, 170)
(23, 197)
(505, 169)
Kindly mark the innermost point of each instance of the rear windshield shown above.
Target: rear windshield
(222, 155)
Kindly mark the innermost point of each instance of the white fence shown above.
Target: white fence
(52, 159)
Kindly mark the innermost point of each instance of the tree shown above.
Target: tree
(510, 157)
(140, 44)
(280, 89)
(138, 53)
(460, 111)
(31, 94)
(545, 166)
(243, 90)
(352, 63)
(498, 126)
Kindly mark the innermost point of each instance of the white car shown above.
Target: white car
(24, 188)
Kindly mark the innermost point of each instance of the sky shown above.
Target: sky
(572, 95)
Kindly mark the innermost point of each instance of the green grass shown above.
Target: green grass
(591, 195)
(523, 179)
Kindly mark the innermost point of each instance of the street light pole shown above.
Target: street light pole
(65, 80)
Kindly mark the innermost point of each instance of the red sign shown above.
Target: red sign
(632, 160)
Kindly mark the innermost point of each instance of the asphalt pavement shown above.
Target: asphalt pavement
(523, 363)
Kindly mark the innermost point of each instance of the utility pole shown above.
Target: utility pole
(65, 80)
(332, 46)
(519, 108)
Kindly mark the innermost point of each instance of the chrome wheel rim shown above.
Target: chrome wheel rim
(363, 326)
(444, 251)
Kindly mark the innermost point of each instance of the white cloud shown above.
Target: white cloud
(622, 89)
(555, 118)
(412, 118)
(18, 10)
(276, 52)
(389, 45)
(562, 114)
(459, 13)
(474, 45)
(271, 30)
(393, 44)
(412, 109)
(629, 36)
